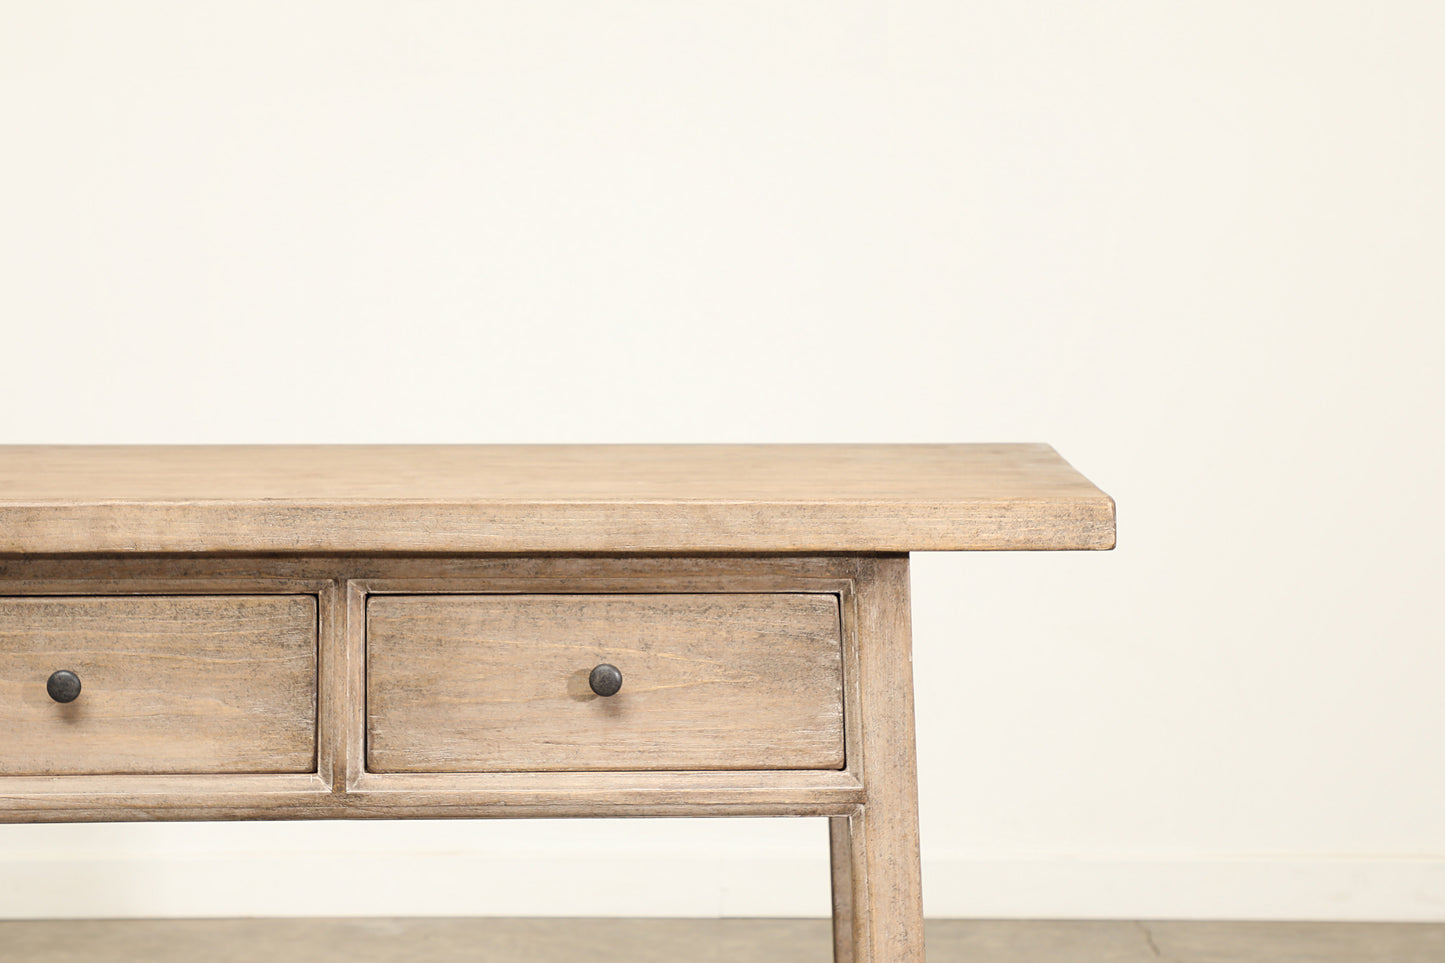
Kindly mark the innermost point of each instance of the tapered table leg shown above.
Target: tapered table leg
(841, 853)
(881, 846)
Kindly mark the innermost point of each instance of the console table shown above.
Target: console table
(297, 632)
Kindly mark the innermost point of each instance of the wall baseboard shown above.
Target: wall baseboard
(1282, 888)
(449, 884)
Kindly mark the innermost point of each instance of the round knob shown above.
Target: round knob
(63, 686)
(605, 680)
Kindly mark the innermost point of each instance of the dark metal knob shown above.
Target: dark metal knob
(605, 680)
(63, 686)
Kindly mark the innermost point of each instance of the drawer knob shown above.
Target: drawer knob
(63, 686)
(605, 680)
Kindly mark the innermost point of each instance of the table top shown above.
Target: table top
(546, 498)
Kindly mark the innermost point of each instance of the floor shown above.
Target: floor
(701, 941)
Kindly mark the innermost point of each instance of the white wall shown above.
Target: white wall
(1196, 246)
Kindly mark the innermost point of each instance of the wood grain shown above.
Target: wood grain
(397, 633)
(840, 855)
(427, 796)
(171, 684)
(883, 846)
(338, 685)
(489, 683)
(343, 790)
(121, 574)
(560, 498)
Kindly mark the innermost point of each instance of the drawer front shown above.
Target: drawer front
(499, 683)
(169, 684)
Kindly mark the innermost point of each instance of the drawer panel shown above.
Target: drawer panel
(497, 683)
(169, 684)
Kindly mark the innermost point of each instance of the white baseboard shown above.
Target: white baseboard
(433, 884)
(1400, 890)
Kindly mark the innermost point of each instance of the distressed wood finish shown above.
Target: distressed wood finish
(427, 796)
(111, 574)
(883, 849)
(340, 788)
(547, 498)
(497, 683)
(405, 632)
(171, 684)
(840, 854)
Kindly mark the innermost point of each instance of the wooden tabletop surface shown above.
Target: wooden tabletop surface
(547, 498)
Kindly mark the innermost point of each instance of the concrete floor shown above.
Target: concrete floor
(700, 941)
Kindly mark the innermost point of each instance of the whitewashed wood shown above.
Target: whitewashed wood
(427, 796)
(547, 498)
(341, 522)
(170, 684)
(338, 688)
(840, 841)
(840, 856)
(342, 790)
(349, 681)
(169, 798)
(122, 574)
(635, 793)
(887, 898)
(488, 683)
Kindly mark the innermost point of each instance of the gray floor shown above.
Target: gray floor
(700, 941)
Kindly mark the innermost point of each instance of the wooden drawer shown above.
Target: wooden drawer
(169, 684)
(497, 683)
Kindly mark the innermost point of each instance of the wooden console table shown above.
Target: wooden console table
(498, 631)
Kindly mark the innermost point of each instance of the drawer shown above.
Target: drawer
(169, 684)
(500, 683)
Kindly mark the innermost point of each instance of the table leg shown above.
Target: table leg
(886, 900)
(841, 851)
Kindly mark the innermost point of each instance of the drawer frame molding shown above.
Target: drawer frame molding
(633, 793)
(871, 803)
(342, 788)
